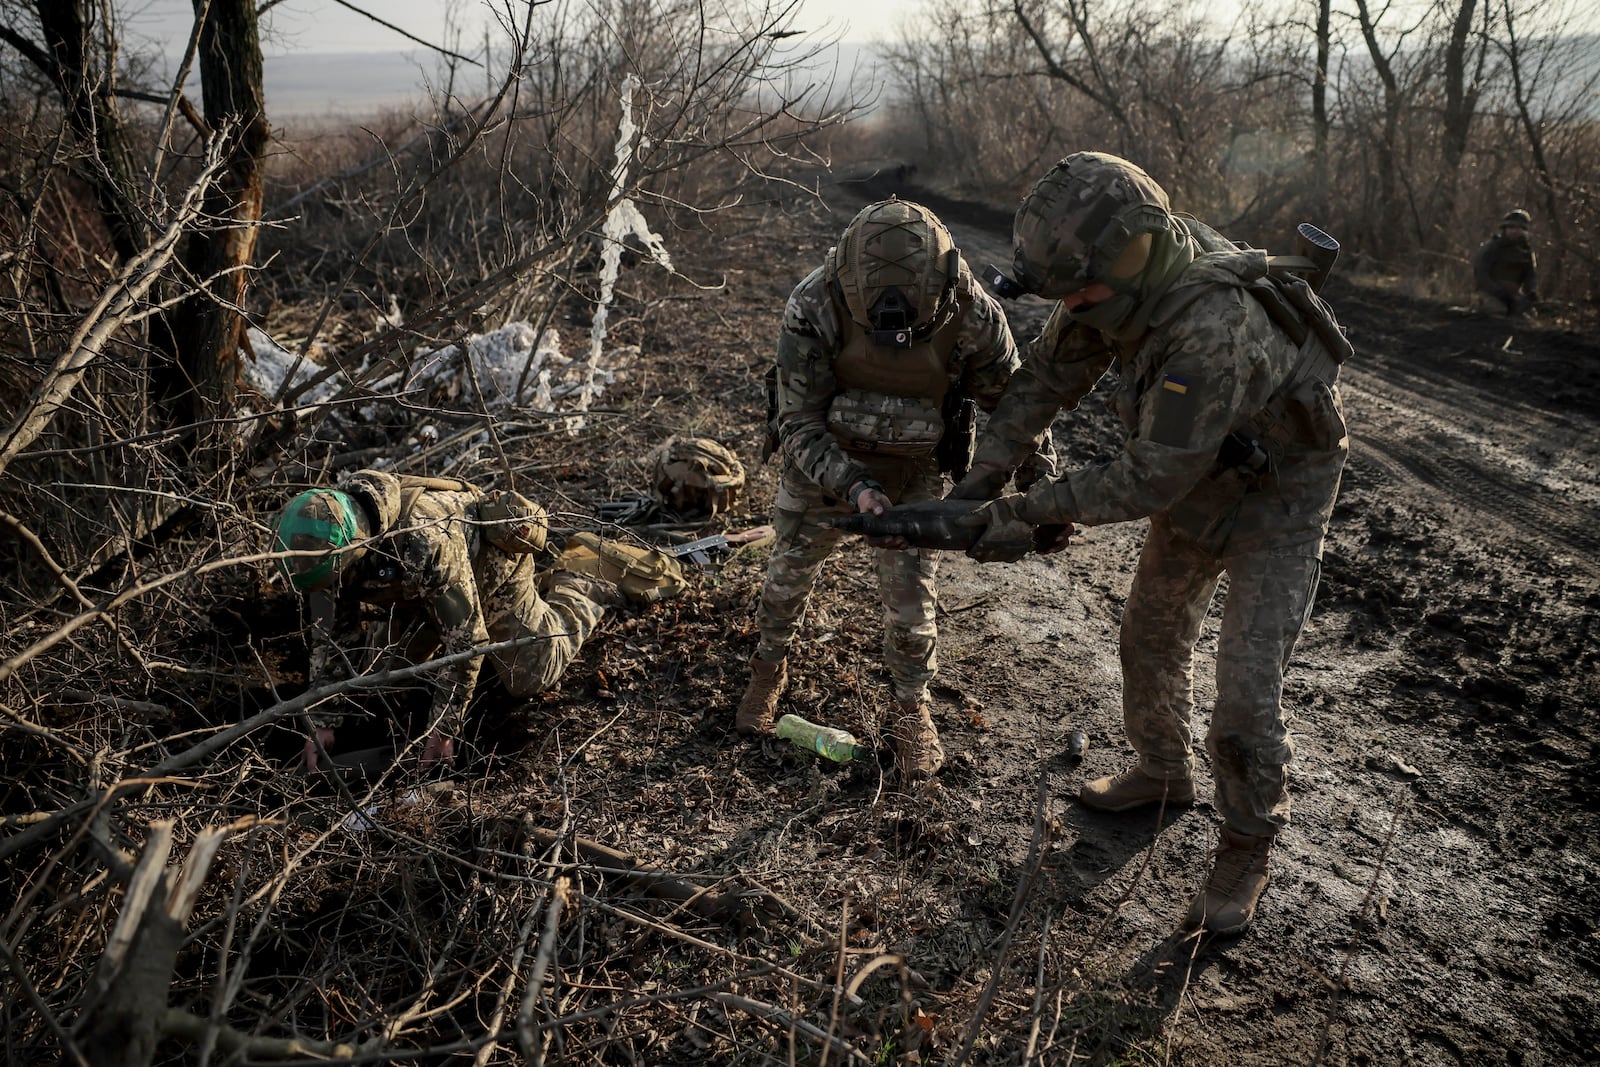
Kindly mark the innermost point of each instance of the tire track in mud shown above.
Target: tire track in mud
(1557, 526)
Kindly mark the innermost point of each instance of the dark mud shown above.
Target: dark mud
(1435, 901)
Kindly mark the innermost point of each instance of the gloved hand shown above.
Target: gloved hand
(1042, 463)
(982, 482)
(1006, 536)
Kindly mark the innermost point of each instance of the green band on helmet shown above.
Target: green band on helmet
(337, 533)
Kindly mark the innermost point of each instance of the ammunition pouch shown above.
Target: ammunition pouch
(644, 575)
(959, 442)
(769, 441)
(879, 424)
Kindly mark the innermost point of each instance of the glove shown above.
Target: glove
(1042, 463)
(1006, 537)
(981, 483)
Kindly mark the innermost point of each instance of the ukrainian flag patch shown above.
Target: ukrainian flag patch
(1173, 384)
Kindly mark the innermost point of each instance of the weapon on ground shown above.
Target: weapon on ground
(932, 524)
(699, 551)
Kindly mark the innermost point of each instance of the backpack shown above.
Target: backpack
(645, 575)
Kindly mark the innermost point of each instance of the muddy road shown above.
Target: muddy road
(1436, 899)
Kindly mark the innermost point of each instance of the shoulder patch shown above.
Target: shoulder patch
(1176, 405)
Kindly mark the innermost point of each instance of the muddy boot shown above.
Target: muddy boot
(1134, 789)
(1227, 902)
(758, 708)
(918, 755)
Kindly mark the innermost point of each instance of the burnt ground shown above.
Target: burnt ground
(1434, 902)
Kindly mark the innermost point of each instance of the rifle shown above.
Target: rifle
(699, 551)
(931, 524)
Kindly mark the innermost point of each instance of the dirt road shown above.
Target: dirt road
(1436, 900)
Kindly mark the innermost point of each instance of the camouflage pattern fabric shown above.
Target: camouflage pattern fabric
(449, 590)
(1269, 600)
(814, 332)
(695, 474)
(905, 578)
(1210, 363)
(1506, 270)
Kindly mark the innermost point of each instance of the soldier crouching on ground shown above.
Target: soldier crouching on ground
(879, 347)
(1236, 441)
(454, 570)
(1505, 268)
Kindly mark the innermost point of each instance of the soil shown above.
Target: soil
(1435, 900)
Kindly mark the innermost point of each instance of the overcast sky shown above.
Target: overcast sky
(311, 26)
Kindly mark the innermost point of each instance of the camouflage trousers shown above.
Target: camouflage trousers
(905, 577)
(1269, 600)
(561, 620)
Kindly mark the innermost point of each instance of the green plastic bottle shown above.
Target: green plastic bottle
(837, 745)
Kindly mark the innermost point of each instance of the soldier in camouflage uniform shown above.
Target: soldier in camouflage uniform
(873, 344)
(1505, 268)
(453, 570)
(1236, 441)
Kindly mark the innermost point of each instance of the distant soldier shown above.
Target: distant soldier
(878, 347)
(453, 569)
(1236, 441)
(1505, 268)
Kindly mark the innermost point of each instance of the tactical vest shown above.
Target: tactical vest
(889, 400)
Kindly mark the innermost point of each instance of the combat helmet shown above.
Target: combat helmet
(895, 265)
(1517, 217)
(1079, 218)
(319, 520)
(695, 475)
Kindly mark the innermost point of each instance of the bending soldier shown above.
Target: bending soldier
(1505, 268)
(454, 570)
(1236, 441)
(875, 344)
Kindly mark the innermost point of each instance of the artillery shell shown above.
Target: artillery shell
(1077, 745)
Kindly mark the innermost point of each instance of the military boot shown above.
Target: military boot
(1134, 789)
(917, 752)
(758, 708)
(1227, 902)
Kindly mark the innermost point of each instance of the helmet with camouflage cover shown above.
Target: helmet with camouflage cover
(695, 475)
(513, 523)
(1517, 217)
(320, 520)
(895, 265)
(381, 491)
(1080, 218)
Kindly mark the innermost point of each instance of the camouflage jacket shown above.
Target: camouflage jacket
(1211, 363)
(1507, 267)
(815, 329)
(431, 569)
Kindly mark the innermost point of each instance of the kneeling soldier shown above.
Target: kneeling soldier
(455, 569)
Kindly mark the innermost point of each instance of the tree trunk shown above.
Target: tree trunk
(207, 327)
(1460, 105)
(86, 87)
